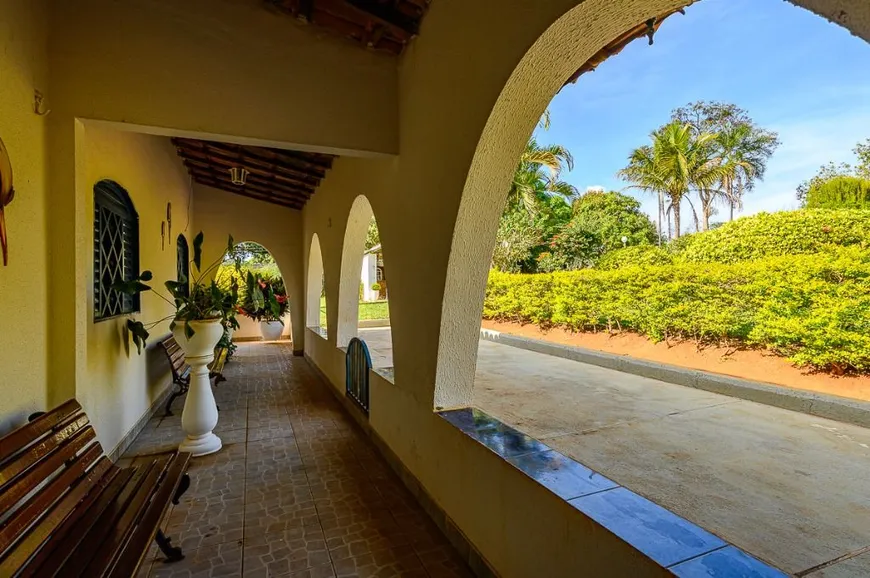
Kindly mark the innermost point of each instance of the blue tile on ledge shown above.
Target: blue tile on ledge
(562, 475)
(470, 419)
(500, 438)
(658, 533)
(508, 442)
(726, 563)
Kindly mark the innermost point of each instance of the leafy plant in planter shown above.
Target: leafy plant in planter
(264, 300)
(197, 301)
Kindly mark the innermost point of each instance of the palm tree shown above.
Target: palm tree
(538, 172)
(680, 159)
(744, 153)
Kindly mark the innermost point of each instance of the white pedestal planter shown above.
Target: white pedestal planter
(271, 330)
(200, 415)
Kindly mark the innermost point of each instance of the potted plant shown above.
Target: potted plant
(266, 303)
(202, 313)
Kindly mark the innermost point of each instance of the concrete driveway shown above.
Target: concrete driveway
(790, 488)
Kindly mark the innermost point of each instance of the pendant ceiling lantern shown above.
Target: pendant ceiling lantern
(239, 175)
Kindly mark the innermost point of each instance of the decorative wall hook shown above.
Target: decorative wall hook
(38, 103)
(169, 218)
(7, 193)
(162, 235)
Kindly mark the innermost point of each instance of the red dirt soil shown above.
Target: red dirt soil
(756, 365)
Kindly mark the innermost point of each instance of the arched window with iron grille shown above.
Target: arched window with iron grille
(116, 250)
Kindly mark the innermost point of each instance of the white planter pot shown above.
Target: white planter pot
(271, 330)
(200, 415)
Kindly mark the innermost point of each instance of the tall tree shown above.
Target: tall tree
(539, 171)
(742, 146)
(679, 159)
(613, 216)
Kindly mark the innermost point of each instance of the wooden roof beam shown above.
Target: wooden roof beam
(268, 179)
(301, 179)
(265, 189)
(250, 195)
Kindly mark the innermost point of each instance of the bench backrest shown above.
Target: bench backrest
(46, 468)
(176, 357)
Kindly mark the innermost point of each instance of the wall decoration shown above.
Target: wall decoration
(169, 219)
(162, 235)
(7, 193)
(39, 103)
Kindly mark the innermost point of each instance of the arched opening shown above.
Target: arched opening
(561, 50)
(554, 58)
(315, 302)
(363, 308)
(263, 306)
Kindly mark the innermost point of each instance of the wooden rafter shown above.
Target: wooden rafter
(282, 177)
(385, 25)
(646, 29)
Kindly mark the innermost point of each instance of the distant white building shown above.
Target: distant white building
(595, 189)
(372, 273)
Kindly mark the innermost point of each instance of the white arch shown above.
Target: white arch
(351, 262)
(568, 43)
(314, 285)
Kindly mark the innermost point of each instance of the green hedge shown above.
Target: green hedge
(773, 234)
(814, 309)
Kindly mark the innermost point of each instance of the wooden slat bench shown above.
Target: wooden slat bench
(66, 510)
(181, 370)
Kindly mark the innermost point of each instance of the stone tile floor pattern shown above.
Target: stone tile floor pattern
(298, 490)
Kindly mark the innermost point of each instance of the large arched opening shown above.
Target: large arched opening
(363, 309)
(555, 57)
(256, 323)
(570, 42)
(315, 290)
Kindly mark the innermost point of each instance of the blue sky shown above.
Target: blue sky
(794, 72)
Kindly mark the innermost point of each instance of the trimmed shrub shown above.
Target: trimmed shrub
(814, 309)
(633, 256)
(774, 234)
(840, 193)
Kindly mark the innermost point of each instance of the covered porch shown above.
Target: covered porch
(298, 489)
(340, 110)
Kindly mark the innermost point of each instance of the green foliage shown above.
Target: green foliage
(265, 299)
(774, 234)
(374, 310)
(640, 255)
(678, 160)
(251, 258)
(612, 216)
(376, 286)
(575, 246)
(373, 235)
(832, 172)
(843, 192)
(515, 240)
(814, 309)
(195, 301)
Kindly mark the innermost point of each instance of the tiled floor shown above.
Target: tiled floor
(297, 490)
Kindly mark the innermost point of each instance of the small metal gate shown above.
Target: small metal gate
(357, 364)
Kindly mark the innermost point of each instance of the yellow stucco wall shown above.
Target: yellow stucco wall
(224, 67)
(437, 207)
(24, 319)
(230, 68)
(116, 385)
(219, 214)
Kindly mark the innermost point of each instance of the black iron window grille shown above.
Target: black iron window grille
(116, 249)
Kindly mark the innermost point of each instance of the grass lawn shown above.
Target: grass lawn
(374, 310)
(371, 310)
